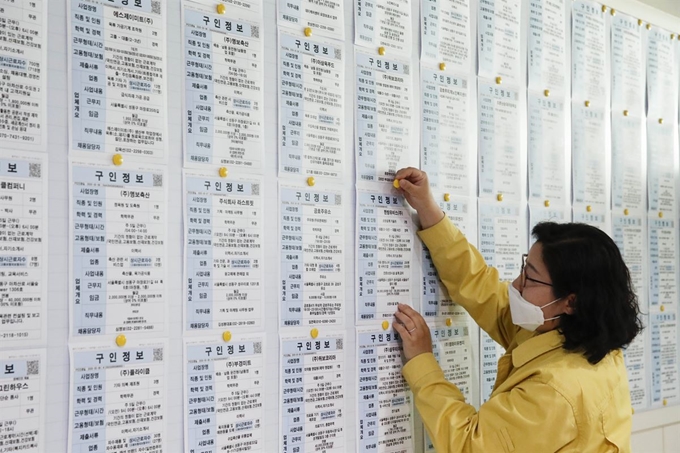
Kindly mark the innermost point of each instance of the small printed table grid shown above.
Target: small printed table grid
(116, 106)
(223, 90)
(312, 393)
(223, 251)
(118, 250)
(312, 244)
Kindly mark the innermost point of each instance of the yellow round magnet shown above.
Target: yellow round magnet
(223, 172)
(395, 183)
(226, 336)
(625, 113)
(499, 197)
(649, 26)
(442, 66)
(447, 197)
(121, 340)
(589, 208)
(639, 21)
(546, 203)
(546, 93)
(221, 8)
(604, 8)
(314, 333)
(661, 214)
(311, 181)
(665, 402)
(499, 80)
(613, 12)
(587, 103)
(660, 120)
(449, 321)
(308, 32)
(632, 411)
(381, 50)
(385, 325)
(662, 308)
(117, 160)
(672, 36)
(625, 211)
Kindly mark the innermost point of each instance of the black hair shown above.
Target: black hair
(585, 261)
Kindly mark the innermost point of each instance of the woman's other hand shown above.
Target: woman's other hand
(415, 187)
(414, 332)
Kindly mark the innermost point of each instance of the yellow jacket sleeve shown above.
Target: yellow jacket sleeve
(470, 282)
(510, 421)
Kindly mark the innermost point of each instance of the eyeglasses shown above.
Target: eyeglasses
(523, 274)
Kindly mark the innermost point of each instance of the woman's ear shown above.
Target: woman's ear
(570, 306)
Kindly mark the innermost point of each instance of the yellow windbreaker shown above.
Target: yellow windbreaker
(545, 399)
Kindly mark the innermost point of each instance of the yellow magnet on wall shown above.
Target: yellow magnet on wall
(395, 183)
(314, 333)
(385, 325)
(447, 197)
(665, 402)
(625, 211)
(662, 308)
(226, 336)
(604, 8)
(660, 120)
(672, 36)
(442, 66)
(499, 197)
(499, 80)
(589, 208)
(546, 203)
(121, 340)
(649, 26)
(625, 113)
(221, 8)
(117, 160)
(632, 411)
(308, 32)
(639, 21)
(381, 50)
(311, 181)
(223, 172)
(449, 321)
(613, 12)
(587, 103)
(661, 214)
(546, 93)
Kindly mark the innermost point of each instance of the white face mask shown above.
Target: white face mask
(525, 314)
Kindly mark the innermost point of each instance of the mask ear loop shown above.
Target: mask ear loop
(550, 303)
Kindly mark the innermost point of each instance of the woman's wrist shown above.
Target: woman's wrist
(430, 215)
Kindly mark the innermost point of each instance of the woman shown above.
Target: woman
(562, 384)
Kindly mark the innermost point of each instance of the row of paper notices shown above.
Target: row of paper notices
(23, 75)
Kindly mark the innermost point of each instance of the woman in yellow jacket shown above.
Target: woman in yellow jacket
(562, 384)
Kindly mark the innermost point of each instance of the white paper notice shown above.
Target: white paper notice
(23, 248)
(665, 381)
(23, 74)
(436, 302)
(311, 106)
(547, 156)
(629, 234)
(384, 255)
(627, 162)
(383, 23)
(445, 152)
(662, 81)
(627, 65)
(547, 45)
(660, 165)
(118, 254)
(223, 256)
(451, 347)
(588, 155)
(446, 33)
(384, 117)
(224, 394)
(498, 39)
(596, 216)
(499, 142)
(312, 393)
(588, 51)
(223, 90)
(385, 410)
(541, 213)
(117, 398)
(312, 257)
(23, 375)
(327, 18)
(490, 353)
(663, 287)
(117, 73)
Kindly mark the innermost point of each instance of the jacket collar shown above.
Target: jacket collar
(532, 344)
